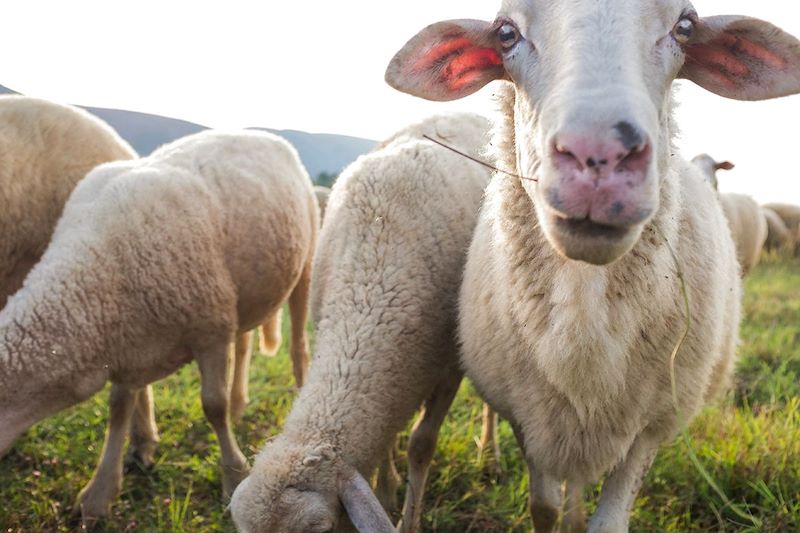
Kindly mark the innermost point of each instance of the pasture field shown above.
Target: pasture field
(749, 443)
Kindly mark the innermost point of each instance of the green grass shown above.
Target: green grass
(749, 443)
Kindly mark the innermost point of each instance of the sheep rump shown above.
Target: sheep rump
(45, 149)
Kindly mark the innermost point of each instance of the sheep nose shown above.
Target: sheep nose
(602, 177)
(625, 149)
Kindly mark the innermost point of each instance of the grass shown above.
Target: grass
(749, 443)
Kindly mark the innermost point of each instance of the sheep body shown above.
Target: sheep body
(790, 214)
(386, 277)
(45, 149)
(778, 235)
(745, 218)
(154, 263)
(748, 227)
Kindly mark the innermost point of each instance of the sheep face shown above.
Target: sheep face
(302, 488)
(592, 98)
(292, 488)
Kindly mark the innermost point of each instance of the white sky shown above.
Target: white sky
(317, 65)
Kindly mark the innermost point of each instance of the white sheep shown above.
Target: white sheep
(147, 271)
(45, 149)
(322, 194)
(386, 277)
(779, 237)
(269, 341)
(790, 215)
(745, 217)
(571, 303)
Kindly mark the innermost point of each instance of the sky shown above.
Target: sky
(318, 65)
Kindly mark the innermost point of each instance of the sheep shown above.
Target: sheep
(270, 342)
(709, 167)
(571, 303)
(386, 277)
(778, 235)
(145, 273)
(322, 194)
(748, 226)
(790, 214)
(45, 148)
(745, 218)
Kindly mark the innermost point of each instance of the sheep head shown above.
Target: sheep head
(592, 98)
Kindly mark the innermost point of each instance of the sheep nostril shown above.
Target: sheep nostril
(564, 157)
(637, 159)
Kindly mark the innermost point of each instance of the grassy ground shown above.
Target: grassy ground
(749, 443)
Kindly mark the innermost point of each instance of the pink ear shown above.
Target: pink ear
(743, 58)
(447, 60)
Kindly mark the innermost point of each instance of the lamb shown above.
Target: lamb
(571, 303)
(145, 273)
(745, 217)
(45, 148)
(386, 278)
(790, 214)
(778, 235)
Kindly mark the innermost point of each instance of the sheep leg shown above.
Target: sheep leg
(243, 348)
(298, 309)
(387, 482)
(421, 446)
(621, 487)
(94, 501)
(144, 431)
(544, 498)
(270, 338)
(213, 365)
(574, 519)
(489, 448)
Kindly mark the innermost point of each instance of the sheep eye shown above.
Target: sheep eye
(508, 36)
(683, 30)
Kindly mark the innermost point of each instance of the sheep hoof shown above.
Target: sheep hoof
(90, 508)
(140, 457)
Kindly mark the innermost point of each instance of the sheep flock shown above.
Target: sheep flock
(559, 261)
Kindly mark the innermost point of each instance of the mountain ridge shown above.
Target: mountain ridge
(321, 153)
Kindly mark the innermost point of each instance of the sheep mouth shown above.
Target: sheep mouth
(586, 229)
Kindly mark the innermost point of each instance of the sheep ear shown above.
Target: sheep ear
(725, 165)
(743, 58)
(447, 61)
(361, 504)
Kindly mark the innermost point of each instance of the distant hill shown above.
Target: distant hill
(320, 152)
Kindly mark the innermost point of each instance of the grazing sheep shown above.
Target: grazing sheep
(790, 214)
(778, 235)
(745, 218)
(386, 279)
(571, 303)
(322, 194)
(748, 226)
(45, 149)
(145, 273)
